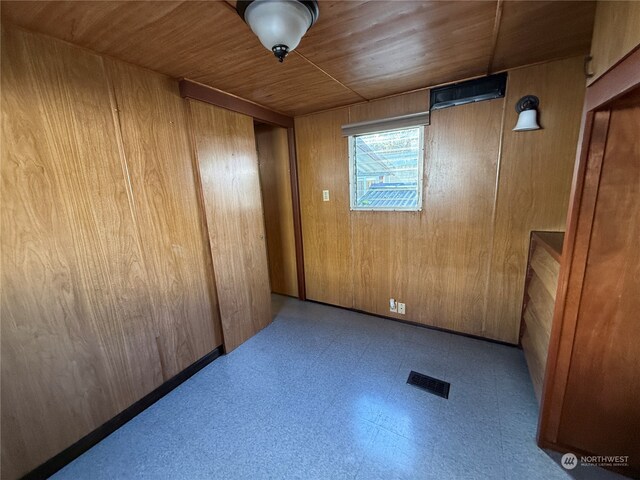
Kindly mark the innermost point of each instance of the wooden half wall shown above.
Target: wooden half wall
(460, 263)
(108, 286)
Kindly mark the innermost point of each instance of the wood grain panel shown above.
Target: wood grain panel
(157, 149)
(226, 151)
(452, 266)
(552, 242)
(205, 41)
(534, 181)
(539, 335)
(600, 413)
(534, 357)
(541, 302)
(405, 104)
(78, 330)
(326, 226)
(356, 51)
(435, 261)
(370, 240)
(451, 256)
(381, 241)
(391, 47)
(616, 32)
(547, 269)
(275, 179)
(533, 32)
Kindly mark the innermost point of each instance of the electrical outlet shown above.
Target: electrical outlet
(325, 195)
(393, 306)
(401, 308)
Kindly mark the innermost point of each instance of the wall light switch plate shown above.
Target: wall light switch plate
(401, 308)
(393, 306)
(325, 195)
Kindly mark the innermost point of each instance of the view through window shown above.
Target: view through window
(386, 170)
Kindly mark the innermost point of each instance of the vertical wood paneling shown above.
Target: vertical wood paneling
(534, 182)
(226, 151)
(78, 331)
(275, 180)
(462, 145)
(326, 226)
(435, 261)
(158, 154)
(105, 272)
(460, 263)
(383, 242)
(616, 32)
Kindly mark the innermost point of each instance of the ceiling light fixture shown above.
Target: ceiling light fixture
(279, 24)
(527, 113)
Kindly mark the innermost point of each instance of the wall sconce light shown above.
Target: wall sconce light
(279, 24)
(528, 113)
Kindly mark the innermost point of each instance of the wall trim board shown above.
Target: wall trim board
(621, 78)
(72, 452)
(204, 93)
(297, 216)
(421, 325)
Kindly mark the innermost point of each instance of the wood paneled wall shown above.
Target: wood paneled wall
(275, 180)
(616, 32)
(326, 226)
(164, 197)
(534, 182)
(106, 278)
(459, 263)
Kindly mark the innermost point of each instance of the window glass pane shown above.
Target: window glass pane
(387, 170)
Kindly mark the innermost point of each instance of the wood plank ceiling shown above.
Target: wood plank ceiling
(356, 51)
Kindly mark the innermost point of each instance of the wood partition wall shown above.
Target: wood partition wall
(460, 263)
(108, 288)
(275, 179)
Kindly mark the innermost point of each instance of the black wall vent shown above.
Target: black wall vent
(486, 88)
(430, 384)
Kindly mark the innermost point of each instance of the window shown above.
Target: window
(386, 169)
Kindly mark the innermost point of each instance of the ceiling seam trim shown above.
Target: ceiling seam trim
(495, 34)
(330, 76)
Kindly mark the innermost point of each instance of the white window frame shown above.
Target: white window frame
(353, 181)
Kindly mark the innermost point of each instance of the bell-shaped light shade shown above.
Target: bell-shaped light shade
(279, 24)
(527, 120)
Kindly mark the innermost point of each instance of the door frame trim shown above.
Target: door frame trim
(617, 81)
(213, 96)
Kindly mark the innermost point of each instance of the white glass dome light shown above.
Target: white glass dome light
(527, 114)
(279, 24)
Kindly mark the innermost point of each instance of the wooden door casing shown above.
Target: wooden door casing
(591, 385)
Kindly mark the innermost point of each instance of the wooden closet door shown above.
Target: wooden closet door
(600, 413)
(230, 182)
